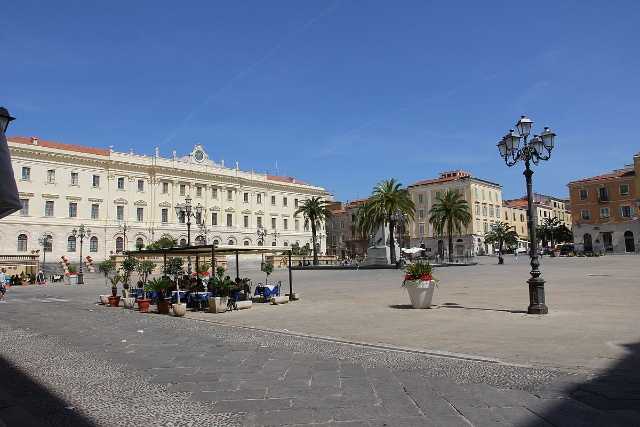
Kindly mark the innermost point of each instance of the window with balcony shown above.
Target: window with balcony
(95, 211)
(604, 212)
(246, 221)
(273, 223)
(73, 210)
(22, 243)
(140, 214)
(141, 185)
(120, 183)
(164, 215)
(24, 211)
(626, 211)
(603, 194)
(51, 176)
(74, 178)
(48, 208)
(95, 181)
(229, 220)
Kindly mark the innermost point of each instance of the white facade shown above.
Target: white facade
(63, 186)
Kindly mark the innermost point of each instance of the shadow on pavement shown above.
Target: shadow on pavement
(610, 399)
(23, 402)
(455, 305)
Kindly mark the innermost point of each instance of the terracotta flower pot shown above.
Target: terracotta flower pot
(114, 301)
(163, 306)
(143, 305)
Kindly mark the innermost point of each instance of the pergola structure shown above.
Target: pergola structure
(206, 251)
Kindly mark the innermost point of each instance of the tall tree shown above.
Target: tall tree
(501, 234)
(315, 212)
(388, 203)
(549, 230)
(450, 213)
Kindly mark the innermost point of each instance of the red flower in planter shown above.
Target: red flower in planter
(426, 277)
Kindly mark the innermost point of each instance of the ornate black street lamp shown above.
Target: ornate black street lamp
(44, 241)
(276, 236)
(515, 147)
(187, 211)
(5, 118)
(262, 234)
(81, 233)
(123, 229)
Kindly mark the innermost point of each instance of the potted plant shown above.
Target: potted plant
(221, 285)
(114, 299)
(160, 285)
(71, 275)
(144, 269)
(267, 268)
(419, 283)
(106, 267)
(128, 266)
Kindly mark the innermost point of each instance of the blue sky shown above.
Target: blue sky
(339, 93)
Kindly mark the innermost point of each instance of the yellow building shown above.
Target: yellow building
(484, 198)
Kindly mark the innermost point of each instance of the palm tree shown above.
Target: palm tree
(450, 213)
(388, 203)
(315, 211)
(502, 234)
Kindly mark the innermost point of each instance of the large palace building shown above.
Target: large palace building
(129, 199)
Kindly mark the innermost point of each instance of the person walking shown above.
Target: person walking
(3, 287)
(515, 256)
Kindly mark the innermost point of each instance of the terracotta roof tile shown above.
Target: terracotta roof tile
(516, 203)
(57, 145)
(611, 175)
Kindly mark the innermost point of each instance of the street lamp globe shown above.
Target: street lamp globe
(548, 138)
(513, 142)
(5, 118)
(199, 209)
(538, 146)
(502, 148)
(524, 125)
(178, 210)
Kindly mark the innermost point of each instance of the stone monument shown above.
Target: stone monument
(379, 250)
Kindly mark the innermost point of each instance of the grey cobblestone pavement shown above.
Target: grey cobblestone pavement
(71, 362)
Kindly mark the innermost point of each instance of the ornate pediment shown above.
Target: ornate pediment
(120, 201)
(74, 198)
(229, 210)
(246, 211)
(91, 199)
(260, 212)
(140, 203)
(165, 205)
(25, 194)
(50, 196)
(286, 215)
(215, 208)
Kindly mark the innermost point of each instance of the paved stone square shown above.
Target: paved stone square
(69, 361)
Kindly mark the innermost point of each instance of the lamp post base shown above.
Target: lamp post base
(536, 297)
(80, 279)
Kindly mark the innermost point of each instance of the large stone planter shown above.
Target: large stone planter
(129, 303)
(218, 304)
(241, 305)
(72, 279)
(420, 292)
(179, 310)
(279, 300)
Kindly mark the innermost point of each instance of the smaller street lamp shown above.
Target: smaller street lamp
(123, 227)
(44, 241)
(81, 232)
(276, 236)
(188, 211)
